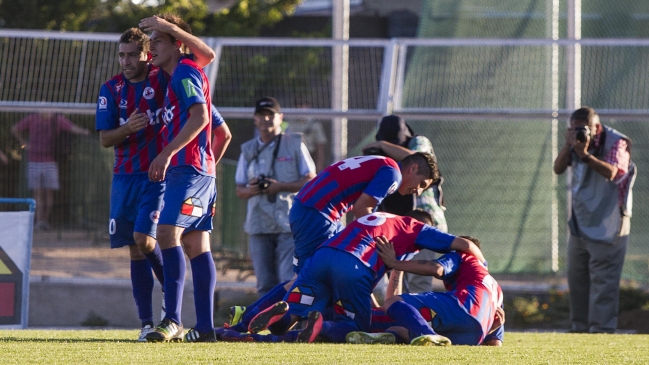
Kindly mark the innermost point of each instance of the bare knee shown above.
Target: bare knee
(145, 243)
(388, 302)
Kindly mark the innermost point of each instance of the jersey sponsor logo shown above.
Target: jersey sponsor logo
(154, 71)
(154, 116)
(285, 159)
(192, 207)
(168, 115)
(393, 187)
(103, 103)
(154, 216)
(123, 104)
(190, 88)
(148, 93)
(119, 86)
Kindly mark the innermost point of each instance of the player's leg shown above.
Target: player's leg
(408, 316)
(146, 223)
(310, 229)
(275, 295)
(50, 184)
(142, 283)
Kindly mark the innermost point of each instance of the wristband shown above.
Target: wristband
(586, 157)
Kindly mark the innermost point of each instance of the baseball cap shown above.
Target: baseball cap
(267, 103)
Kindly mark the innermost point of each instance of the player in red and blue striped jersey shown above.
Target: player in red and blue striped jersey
(345, 269)
(127, 118)
(469, 313)
(187, 163)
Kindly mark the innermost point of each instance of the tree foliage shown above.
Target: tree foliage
(244, 18)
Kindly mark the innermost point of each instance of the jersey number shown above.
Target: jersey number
(355, 162)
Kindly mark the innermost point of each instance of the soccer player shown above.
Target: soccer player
(356, 185)
(187, 163)
(344, 270)
(127, 119)
(469, 313)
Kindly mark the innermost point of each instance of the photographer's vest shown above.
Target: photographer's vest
(596, 211)
(264, 216)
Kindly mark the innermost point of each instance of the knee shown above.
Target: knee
(388, 302)
(145, 243)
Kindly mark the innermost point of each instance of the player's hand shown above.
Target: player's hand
(386, 251)
(136, 121)
(158, 167)
(156, 23)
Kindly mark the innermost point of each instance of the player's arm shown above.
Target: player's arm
(134, 123)
(393, 151)
(198, 119)
(419, 267)
(220, 140)
(395, 286)
(364, 205)
(203, 54)
(464, 245)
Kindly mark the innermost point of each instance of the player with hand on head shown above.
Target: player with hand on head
(127, 117)
(187, 163)
(469, 313)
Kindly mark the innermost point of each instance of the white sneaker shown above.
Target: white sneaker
(143, 332)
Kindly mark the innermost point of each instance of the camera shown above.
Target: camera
(582, 133)
(263, 183)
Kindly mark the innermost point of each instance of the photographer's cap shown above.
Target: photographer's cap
(267, 103)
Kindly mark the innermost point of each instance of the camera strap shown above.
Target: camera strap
(277, 140)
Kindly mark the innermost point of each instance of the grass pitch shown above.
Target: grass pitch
(118, 347)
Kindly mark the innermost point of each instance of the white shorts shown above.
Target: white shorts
(42, 175)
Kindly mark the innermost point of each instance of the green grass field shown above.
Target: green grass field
(117, 347)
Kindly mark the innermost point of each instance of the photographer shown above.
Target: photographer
(271, 169)
(599, 223)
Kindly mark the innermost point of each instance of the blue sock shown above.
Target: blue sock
(142, 281)
(204, 276)
(174, 279)
(336, 331)
(409, 317)
(275, 295)
(290, 336)
(155, 260)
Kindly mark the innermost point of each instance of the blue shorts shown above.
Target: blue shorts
(135, 204)
(189, 200)
(338, 277)
(310, 229)
(447, 316)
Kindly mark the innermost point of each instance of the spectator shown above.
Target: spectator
(43, 131)
(271, 169)
(602, 178)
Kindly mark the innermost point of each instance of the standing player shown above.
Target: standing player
(127, 119)
(344, 270)
(469, 313)
(187, 162)
(357, 184)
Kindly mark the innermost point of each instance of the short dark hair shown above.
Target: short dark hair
(136, 35)
(585, 113)
(175, 19)
(427, 164)
(422, 216)
(472, 239)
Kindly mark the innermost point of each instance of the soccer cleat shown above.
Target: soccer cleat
(236, 314)
(194, 336)
(234, 336)
(430, 340)
(312, 329)
(267, 317)
(166, 331)
(143, 332)
(358, 337)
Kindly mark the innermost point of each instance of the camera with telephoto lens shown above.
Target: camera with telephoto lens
(582, 133)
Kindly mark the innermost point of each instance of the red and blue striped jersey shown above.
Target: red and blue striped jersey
(469, 281)
(407, 234)
(335, 189)
(118, 98)
(189, 86)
